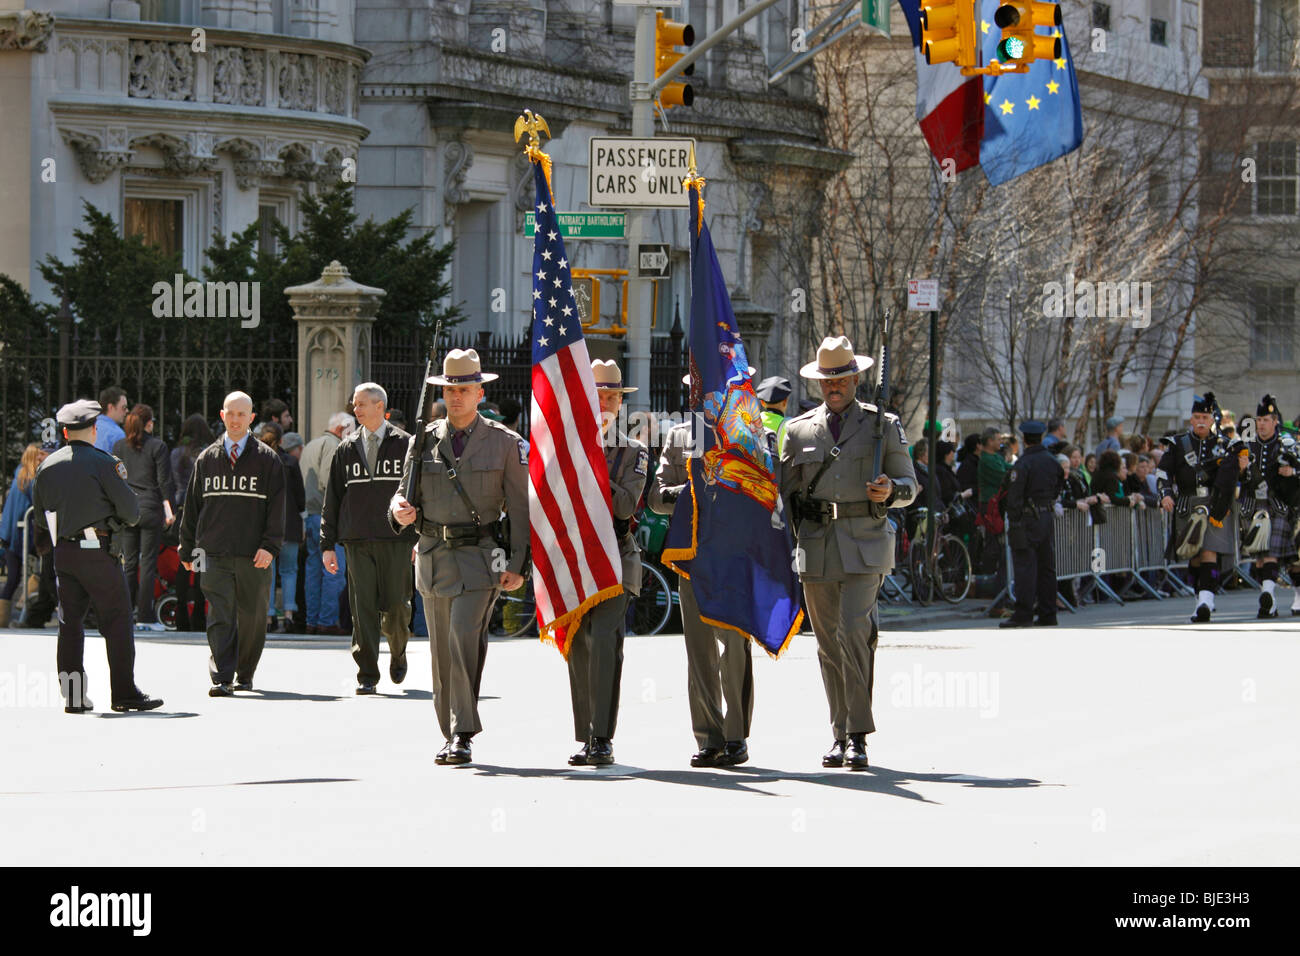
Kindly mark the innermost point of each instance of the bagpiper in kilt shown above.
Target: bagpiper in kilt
(1200, 495)
(1270, 493)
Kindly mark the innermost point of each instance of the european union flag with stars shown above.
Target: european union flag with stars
(1029, 118)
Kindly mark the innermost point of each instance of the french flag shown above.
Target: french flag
(949, 106)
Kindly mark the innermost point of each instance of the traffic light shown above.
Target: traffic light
(1020, 43)
(948, 32)
(668, 35)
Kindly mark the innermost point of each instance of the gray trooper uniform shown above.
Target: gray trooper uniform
(596, 654)
(711, 678)
(460, 583)
(845, 553)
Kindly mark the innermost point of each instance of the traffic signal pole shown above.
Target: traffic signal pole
(644, 88)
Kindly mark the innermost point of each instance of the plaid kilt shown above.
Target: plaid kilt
(1281, 543)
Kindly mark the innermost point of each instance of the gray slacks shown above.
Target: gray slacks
(458, 637)
(596, 669)
(712, 678)
(237, 594)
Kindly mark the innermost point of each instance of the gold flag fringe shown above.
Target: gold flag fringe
(573, 619)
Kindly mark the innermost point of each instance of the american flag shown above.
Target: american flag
(575, 553)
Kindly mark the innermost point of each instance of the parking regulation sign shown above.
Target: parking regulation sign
(624, 171)
(923, 295)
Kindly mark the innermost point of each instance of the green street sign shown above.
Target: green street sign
(583, 225)
(875, 13)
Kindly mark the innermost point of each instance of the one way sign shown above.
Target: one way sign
(652, 260)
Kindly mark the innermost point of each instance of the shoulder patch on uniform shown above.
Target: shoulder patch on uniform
(642, 462)
(523, 451)
(1015, 474)
(902, 435)
(120, 467)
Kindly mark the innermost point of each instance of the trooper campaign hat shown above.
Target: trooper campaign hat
(461, 367)
(835, 359)
(609, 377)
(79, 414)
(686, 379)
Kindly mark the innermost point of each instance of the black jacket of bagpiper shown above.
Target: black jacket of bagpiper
(84, 487)
(356, 502)
(1261, 474)
(234, 511)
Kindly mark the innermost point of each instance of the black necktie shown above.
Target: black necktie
(458, 443)
(836, 421)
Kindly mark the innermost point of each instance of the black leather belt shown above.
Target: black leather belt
(454, 535)
(831, 510)
(102, 533)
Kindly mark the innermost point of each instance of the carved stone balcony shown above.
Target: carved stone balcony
(280, 107)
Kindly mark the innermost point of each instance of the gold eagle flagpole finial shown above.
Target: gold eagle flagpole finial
(693, 178)
(533, 124)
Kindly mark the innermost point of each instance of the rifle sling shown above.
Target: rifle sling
(455, 482)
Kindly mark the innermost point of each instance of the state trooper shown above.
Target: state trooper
(595, 655)
(1270, 489)
(472, 470)
(1035, 482)
(1188, 473)
(845, 544)
(712, 679)
(81, 498)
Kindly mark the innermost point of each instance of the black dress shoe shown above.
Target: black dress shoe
(397, 669)
(1016, 622)
(734, 753)
(601, 752)
(272, 625)
(1266, 608)
(139, 702)
(221, 690)
(442, 754)
(1202, 615)
(243, 685)
(461, 751)
(313, 629)
(1046, 621)
(580, 758)
(835, 756)
(365, 689)
(85, 707)
(707, 757)
(855, 753)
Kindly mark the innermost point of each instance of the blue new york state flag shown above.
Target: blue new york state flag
(728, 534)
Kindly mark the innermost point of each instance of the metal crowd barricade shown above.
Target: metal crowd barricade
(23, 570)
(1118, 541)
(1072, 536)
(1238, 566)
(1151, 529)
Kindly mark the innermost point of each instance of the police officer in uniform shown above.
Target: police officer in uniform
(472, 470)
(845, 542)
(1186, 480)
(774, 393)
(1035, 483)
(1270, 488)
(81, 497)
(596, 653)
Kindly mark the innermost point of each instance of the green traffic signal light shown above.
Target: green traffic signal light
(1012, 48)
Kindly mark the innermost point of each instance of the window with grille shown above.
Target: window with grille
(1276, 177)
(1279, 30)
(1101, 16)
(1273, 327)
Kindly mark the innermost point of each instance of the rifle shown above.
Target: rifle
(421, 442)
(878, 508)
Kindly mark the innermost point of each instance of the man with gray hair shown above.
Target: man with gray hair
(363, 477)
(322, 589)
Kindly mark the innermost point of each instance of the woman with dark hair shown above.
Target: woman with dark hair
(1108, 483)
(150, 477)
(195, 436)
(968, 462)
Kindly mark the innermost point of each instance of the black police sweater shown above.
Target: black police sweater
(234, 511)
(356, 502)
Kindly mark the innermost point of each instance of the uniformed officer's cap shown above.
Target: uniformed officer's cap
(79, 414)
(774, 389)
(1033, 427)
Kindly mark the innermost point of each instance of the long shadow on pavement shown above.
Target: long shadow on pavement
(876, 780)
(258, 694)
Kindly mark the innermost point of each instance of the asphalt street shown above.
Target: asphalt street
(1124, 736)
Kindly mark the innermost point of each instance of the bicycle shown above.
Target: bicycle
(515, 612)
(945, 569)
(649, 611)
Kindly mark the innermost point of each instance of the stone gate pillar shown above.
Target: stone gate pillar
(334, 316)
